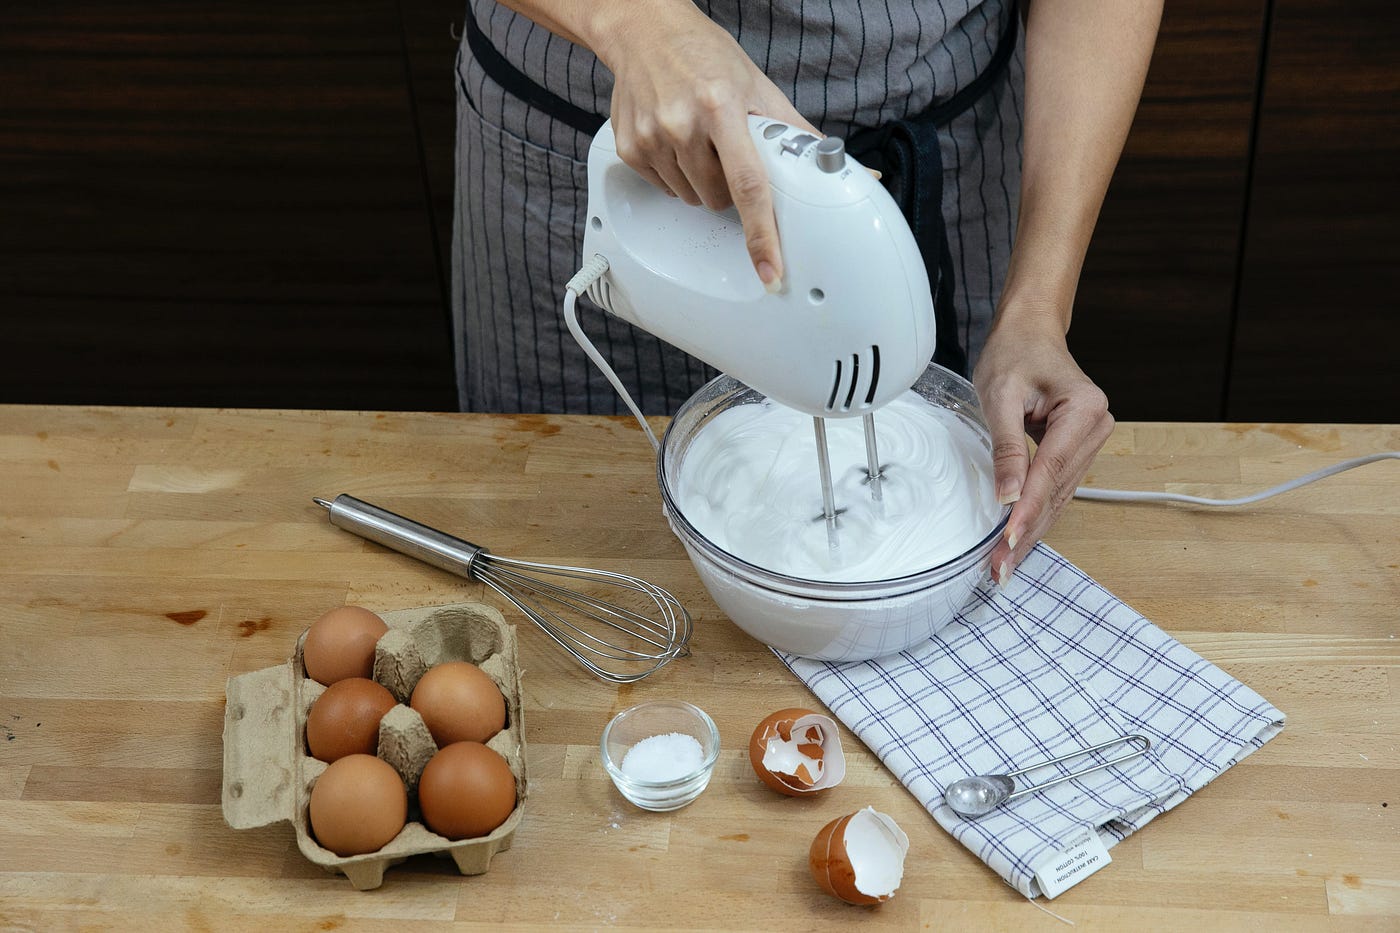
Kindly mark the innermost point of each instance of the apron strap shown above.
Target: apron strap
(517, 83)
(907, 154)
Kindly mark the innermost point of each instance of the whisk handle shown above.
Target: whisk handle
(404, 535)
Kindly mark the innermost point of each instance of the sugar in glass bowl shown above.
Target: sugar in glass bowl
(660, 754)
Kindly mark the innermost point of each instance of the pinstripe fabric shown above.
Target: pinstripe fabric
(521, 186)
(1054, 664)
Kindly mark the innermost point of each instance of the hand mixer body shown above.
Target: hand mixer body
(853, 325)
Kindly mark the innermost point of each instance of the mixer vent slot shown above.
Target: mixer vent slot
(601, 293)
(845, 388)
(874, 373)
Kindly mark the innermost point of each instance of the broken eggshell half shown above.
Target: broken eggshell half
(796, 751)
(859, 857)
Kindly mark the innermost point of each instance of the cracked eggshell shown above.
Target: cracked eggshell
(859, 858)
(797, 751)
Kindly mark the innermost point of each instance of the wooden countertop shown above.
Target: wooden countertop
(146, 555)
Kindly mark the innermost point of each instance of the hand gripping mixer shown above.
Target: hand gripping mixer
(852, 326)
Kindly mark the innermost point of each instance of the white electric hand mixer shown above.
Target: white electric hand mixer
(852, 326)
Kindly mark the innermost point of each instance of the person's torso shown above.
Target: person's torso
(845, 64)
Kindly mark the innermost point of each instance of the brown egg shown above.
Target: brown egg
(358, 805)
(345, 719)
(796, 751)
(340, 644)
(466, 791)
(860, 857)
(459, 702)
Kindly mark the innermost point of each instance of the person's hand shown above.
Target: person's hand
(1029, 384)
(682, 96)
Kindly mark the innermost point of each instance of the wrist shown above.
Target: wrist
(614, 30)
(1038, 299)
(1042, 323)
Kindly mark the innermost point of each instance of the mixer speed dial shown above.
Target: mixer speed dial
(831, 154)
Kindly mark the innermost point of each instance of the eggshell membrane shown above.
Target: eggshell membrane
(859, 858)
(340, 644)
(344, 720)
(797, 751)
(459, 702)
(466, 790)
(358, 805)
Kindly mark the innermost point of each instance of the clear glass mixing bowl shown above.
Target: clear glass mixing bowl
(834, 621)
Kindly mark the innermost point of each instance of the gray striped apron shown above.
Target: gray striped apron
(850, 67)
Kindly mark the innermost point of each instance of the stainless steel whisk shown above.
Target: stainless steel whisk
(617, 643)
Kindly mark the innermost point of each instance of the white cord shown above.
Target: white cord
(597, 266)
(1133, 495)
(593, 270)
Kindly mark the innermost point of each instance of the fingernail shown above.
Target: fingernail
(1003, 575)
(1008, 492)
(769, 276)
(1011, 538)
(876, 173)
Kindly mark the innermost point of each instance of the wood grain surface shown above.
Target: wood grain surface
(147, 555)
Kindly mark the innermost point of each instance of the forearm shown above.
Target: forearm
(1085, 65)
(601, 25)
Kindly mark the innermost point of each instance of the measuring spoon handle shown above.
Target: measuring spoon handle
(1133, 738)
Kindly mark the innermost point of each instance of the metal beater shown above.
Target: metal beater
(872, 469)
(617, 642)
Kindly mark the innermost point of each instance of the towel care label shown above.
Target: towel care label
(1077, 861)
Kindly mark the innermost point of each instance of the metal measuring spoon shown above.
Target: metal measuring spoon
(983, 793)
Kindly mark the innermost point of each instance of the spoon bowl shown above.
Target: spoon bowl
(983, 793)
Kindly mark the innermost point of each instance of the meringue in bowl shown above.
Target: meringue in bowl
(739, 483)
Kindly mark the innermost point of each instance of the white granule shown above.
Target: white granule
(663, 758)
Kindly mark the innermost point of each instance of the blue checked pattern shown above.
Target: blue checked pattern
(1053, 663)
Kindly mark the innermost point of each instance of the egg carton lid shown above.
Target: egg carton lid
(268, 774)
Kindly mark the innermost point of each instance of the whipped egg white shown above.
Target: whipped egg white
(749, 484)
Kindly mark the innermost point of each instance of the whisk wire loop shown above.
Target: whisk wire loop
(573, 598)
(590, 650)
(643, 631)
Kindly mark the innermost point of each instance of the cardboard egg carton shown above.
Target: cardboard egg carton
(268, 771)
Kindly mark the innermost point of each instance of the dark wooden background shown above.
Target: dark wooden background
(249, 205)
(240, 204)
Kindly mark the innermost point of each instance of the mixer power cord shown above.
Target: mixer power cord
(1134, 495)
(591, 272)
(597, 266)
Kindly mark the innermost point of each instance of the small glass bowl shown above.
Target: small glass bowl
(659, 717)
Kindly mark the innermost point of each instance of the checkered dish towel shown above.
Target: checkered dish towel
(1052, 664)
